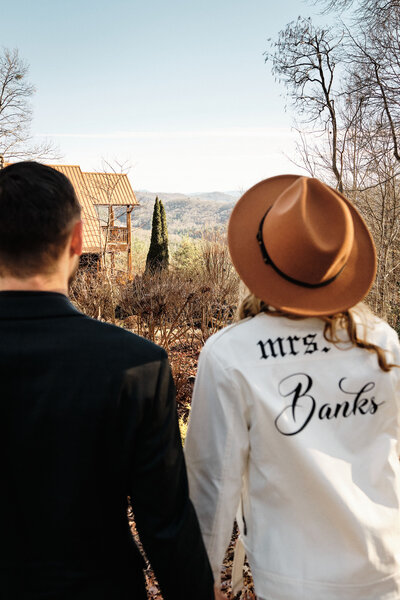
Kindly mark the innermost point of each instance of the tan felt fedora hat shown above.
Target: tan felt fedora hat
(301, 246)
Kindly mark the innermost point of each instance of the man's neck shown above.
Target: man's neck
(36, 283)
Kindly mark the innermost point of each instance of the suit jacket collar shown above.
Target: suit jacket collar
(35, 305)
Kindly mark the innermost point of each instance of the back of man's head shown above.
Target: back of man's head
(38, 209)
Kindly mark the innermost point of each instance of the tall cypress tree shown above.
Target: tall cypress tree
(164, 236)
(154, 256)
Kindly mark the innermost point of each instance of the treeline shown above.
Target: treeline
(186, 216)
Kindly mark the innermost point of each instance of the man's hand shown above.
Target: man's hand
(219, 595)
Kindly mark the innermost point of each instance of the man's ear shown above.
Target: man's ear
(76, 239)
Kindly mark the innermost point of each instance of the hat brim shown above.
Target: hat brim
(349, 288)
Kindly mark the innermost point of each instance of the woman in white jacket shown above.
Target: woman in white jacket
(295, 420)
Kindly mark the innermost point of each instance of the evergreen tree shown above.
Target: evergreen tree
(164, 236)
(154, 256)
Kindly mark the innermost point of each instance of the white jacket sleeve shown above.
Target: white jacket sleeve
(216, 452)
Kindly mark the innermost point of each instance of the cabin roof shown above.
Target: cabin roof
(93, 239)
(110, 189)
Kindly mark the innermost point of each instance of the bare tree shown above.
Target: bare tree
(344, 88)
(375, 190)
(363, 10)
(102, 189)
(16, 140)
(375, 73)
(304, 58)
(372, 44)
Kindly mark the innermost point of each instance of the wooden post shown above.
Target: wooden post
(129, 209)
(110, 238)
(110, 216)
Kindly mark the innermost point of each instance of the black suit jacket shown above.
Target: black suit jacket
(87, 418)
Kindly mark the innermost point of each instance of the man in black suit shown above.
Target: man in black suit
(88, 419)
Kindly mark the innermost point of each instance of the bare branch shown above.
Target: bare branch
(16, 141)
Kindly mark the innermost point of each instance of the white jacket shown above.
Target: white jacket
(303, 438)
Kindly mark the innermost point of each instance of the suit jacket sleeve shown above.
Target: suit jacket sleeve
(165, 517)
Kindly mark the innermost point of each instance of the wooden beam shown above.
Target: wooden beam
(111, 216)
(129, 209)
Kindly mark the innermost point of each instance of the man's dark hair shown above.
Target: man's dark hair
(38, 208)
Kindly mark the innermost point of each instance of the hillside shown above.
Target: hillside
(187, 215)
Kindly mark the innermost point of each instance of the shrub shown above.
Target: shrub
(95, 294)
(187, 257)
(183, 305)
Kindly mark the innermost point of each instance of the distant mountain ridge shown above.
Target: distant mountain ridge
(211, 196)
(187, 215)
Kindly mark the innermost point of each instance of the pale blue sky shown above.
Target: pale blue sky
(177, 88)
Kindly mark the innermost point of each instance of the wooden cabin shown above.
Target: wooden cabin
(107, 201)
